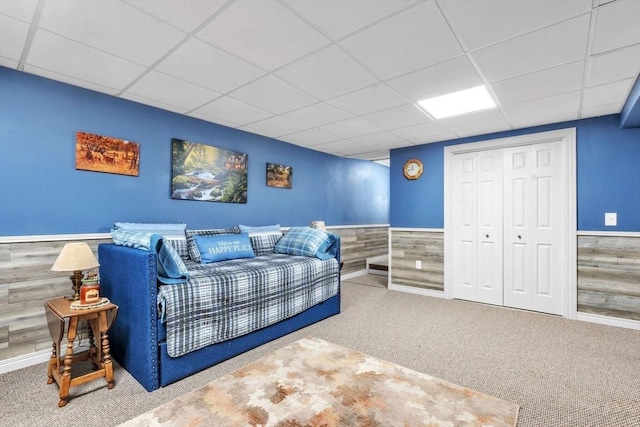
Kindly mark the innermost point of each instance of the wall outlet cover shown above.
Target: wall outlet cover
(611, 219)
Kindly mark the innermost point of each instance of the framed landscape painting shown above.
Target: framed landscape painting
(106, 154)
(280, 176)
(207, 173)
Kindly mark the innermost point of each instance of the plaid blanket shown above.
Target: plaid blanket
(226, 299)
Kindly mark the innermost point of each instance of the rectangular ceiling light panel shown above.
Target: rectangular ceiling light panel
(458, 103)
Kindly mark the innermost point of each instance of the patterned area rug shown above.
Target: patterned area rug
(315, 383)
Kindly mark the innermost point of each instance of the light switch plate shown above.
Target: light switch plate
(611, 219)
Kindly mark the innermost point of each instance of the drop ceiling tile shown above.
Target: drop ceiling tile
(113, 27)
(617, 25)
(9, 63)
(399, 117)
(19, 9)
(379, 156)
(273, 95)
(47, 74)
(541, 84)
(612, 93)
(421, 133)
(368, 100)
(310, 137)
(13, 34)
(233, 111)
(554, 109)
(350, 128)
(80, 62)
(344, 148)
(275, 126)
(153, 103)
(171, 90)
(211, 119)
(533, 52)
(450, 76)
(613, 66)
(318, 114)
(380, 140)
(327, 73)
(264, 33)
(207, 66)
(481, 23)
(601, 110)
(480, 123)
(184, 14)
(414, 39)
(339, 19)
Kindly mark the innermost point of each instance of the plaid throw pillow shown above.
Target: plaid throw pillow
(263, 239)
(132, 239)
(194, 253)
(307, 241)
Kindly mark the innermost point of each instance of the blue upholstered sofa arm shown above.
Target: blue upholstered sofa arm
(129, 279)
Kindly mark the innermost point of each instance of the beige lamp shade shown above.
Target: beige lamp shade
(75, 256)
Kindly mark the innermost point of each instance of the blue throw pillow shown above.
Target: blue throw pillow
(223, 247)
(307, 241)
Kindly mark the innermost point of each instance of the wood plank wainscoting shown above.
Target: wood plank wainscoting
(608, 271)
(359, 243)
(409, 246)
(609, 275)
(27, 282)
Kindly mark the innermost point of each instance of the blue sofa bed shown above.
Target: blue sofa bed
(138, 339)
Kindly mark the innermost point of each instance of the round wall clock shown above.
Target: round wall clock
(413, 169)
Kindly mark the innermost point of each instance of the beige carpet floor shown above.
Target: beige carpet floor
(560, 372)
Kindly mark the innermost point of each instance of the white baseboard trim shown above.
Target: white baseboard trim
(40, 356)
(24, 361)
(353, 274)
(417, 291)
(610, 321)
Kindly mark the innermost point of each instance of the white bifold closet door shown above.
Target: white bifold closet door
(507, 228)
(533, 232)
(478, 226)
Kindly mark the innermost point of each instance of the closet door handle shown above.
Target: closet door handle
(519, 236)
(486, 235)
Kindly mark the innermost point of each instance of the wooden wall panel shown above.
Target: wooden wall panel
(26, 283)
(359, 243)
(407, 247)
(609, 276)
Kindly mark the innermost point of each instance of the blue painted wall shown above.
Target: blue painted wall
(42, 193)
(608, 176)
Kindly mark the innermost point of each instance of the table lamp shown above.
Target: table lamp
(318, 224)
(75, 257)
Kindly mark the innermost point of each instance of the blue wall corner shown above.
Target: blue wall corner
(630, 115)
(42, 193)
(607, 176)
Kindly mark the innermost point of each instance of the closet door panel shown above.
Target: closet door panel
(532, 227)
(465, 226)
(489, 232)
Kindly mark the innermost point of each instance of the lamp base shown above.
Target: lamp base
(76, 280)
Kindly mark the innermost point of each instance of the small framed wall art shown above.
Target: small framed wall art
(279, 176)
(106, 154)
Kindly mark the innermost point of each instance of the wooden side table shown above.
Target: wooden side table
(100, 320)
